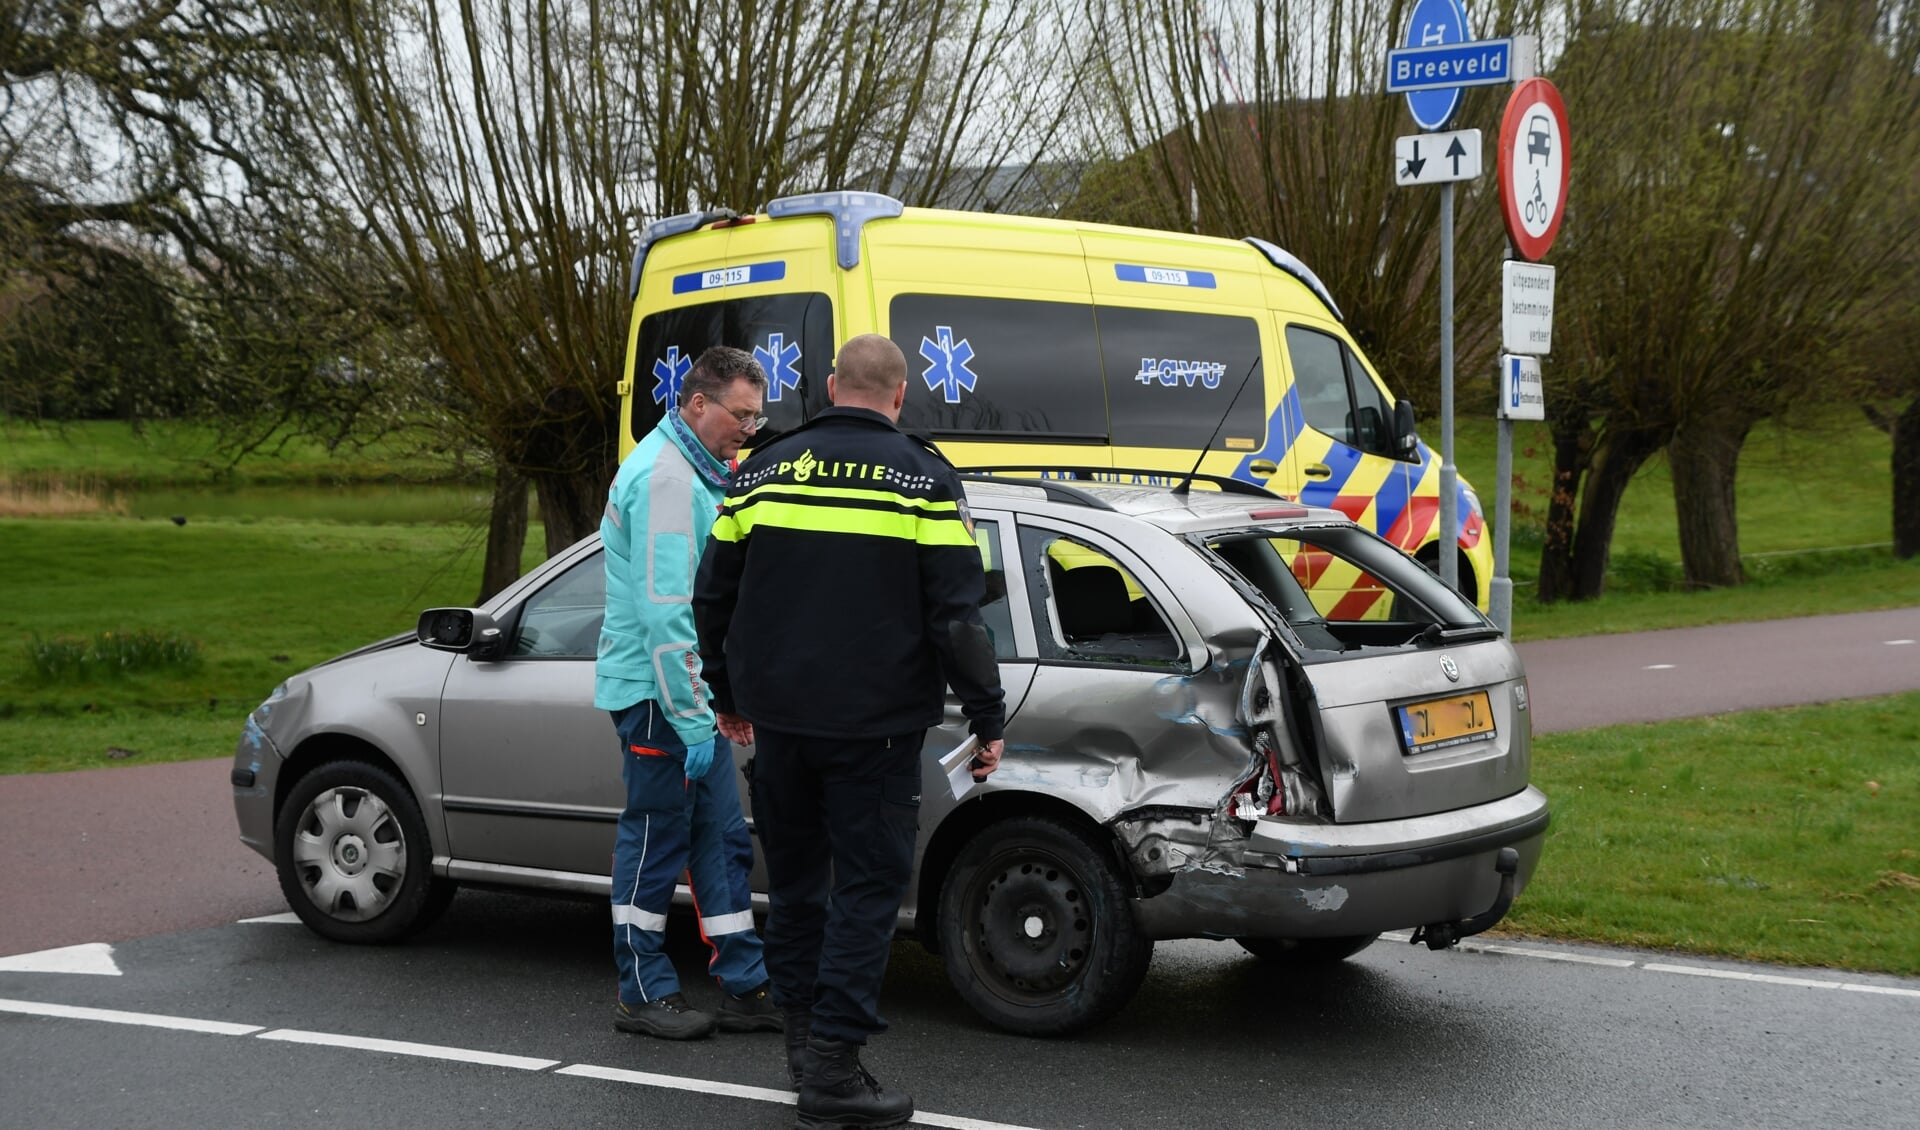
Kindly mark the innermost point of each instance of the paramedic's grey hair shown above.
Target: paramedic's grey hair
(717, 369)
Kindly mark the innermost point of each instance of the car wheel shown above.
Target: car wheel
(1036, 928)
(353, 856)
(1306, 951)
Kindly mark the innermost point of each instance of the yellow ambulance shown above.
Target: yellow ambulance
(1051, 344)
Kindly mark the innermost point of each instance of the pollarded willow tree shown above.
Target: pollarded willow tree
(1270, 120)
(1740, 198)
(497, 158)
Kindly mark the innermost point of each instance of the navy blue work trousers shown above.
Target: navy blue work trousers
(837, 819)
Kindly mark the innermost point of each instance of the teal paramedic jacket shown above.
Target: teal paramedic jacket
(662, 506)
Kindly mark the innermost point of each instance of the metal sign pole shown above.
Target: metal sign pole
(1500, 599)
(1449, 476)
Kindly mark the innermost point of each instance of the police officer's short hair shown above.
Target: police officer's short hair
(870, 363)
(717, 369)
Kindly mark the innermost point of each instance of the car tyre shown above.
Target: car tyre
(1306, 951)
(1036, 928)
(353, 856)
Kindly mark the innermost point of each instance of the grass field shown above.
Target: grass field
(163, 452)
(1785, 836)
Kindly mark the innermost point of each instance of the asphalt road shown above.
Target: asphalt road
(146, 857)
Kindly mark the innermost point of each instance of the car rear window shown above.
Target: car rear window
(1342, 589)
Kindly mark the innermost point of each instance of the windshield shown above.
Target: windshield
(1341, 589)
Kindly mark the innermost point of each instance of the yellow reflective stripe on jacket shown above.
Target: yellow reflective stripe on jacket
(858, 494)
(842, 520)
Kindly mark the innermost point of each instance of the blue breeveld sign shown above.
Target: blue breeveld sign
(1163, 276)
(729, 276)
(1434, 23)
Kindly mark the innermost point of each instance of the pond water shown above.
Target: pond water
(356, 503)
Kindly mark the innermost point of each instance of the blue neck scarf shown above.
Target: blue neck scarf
(704, 461)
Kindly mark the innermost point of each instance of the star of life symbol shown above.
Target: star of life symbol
(778, 358)
(667, 375)
(946, 370)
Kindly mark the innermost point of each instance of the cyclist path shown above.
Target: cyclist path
(1576, 684)
(102, 855)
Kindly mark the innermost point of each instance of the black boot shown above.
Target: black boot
(837, 1093)
(799, 1025)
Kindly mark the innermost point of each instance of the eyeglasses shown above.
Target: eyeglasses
(742, 416)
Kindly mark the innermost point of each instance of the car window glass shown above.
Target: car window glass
(995, 609)
(1171, 376)
(1342, 588)
(1320, 375)
(1372, 415)
(791, 335)
(562, 620)
(1095, 609)
(1002, 368)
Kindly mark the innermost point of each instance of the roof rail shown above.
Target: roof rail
(661, 229)
(1226, 483)
(1291, 264)
(1052, 488)
(850, 212)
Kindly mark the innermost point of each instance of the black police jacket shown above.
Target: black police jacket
(840, 591)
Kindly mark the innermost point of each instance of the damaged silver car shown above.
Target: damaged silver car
(1229, 717)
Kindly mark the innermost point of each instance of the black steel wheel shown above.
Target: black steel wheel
(1036, 928)
(1306, 951)
(353, 856)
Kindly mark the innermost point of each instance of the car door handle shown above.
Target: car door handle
(1318, 471)
(1263, 468)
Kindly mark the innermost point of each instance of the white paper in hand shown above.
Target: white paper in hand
(958, 766)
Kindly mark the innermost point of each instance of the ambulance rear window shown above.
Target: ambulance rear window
(791, 335)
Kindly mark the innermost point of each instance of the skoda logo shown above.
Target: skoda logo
(1449, 668)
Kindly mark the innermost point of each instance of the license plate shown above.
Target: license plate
(1441, 722)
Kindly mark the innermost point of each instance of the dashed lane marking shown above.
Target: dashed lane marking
(1667, 967)
(115, 1016)
(461, 1055)
(404, 1047)
(289, 918)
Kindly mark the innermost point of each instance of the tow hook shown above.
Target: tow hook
(1440, 935)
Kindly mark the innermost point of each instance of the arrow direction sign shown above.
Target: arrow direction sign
(1435, 158)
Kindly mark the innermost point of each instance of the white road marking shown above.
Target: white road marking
(1898, 643)
(677, 1083)
(1467, 946)
(141, 1019)
(1549, 955)
(89, 957)
(404, 1047)
(461, 1055)
(1658, 667)
(287, 919)
(1740, 975)
(1889, 990)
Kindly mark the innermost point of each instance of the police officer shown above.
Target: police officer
(841, 590)
(683, 808)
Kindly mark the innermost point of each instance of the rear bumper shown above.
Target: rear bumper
(1355, 878)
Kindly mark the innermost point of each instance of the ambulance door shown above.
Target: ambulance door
(769, 287)
(1181, 349)
(1345, 459)
(993, 314)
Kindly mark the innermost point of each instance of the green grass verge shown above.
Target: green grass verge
(263, 600)
(1788, 836)
(162, 452)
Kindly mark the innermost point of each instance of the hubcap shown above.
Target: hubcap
(349, 853)
(1032, 930)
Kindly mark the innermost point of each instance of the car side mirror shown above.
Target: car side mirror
(1406, 439)
(466, 630)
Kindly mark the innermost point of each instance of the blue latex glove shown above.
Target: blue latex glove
(699, 759)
